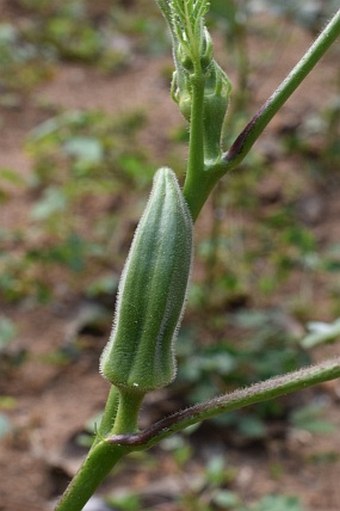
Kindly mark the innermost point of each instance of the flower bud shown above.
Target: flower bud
(184, 58)
(216, 101)
(206, 51)
(180, 92)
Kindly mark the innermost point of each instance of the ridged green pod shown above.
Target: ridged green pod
(140, 353)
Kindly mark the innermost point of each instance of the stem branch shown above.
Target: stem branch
(103, 456)
(193, 186)
(258, 123)
(98, 464)
(108, 418)
(257, 393)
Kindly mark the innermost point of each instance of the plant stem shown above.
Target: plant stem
(102, 456)
(196, 187)
(127, 413)
(257, 393)
(258, 123)
(200, 180)
(95, 468)
(109, 415)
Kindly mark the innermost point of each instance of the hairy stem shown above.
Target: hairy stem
(102, 456)
(127, 413)
(193, 186)
(245, 141)
(257, 393)
(98, 464)
(109, 415)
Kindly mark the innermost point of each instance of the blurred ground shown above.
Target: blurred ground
(53, 402)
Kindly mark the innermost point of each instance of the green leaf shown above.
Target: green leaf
(310, 418)
(11, 176)
(226, 499)
(7, 402)
(125, 502)
(321, 333)
(106, 284)
(8, 34)
(5, 425)
(7, 331)
(53, 201)
(276, 503)
(85, 148)
(216, 470)
(251, 426)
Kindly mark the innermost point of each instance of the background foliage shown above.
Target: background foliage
(263, 259)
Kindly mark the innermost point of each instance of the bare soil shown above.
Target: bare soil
(53, 402)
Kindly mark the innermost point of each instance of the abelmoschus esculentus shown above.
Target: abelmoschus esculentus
(202, 91)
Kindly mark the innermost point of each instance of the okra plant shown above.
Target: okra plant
(140, 355)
